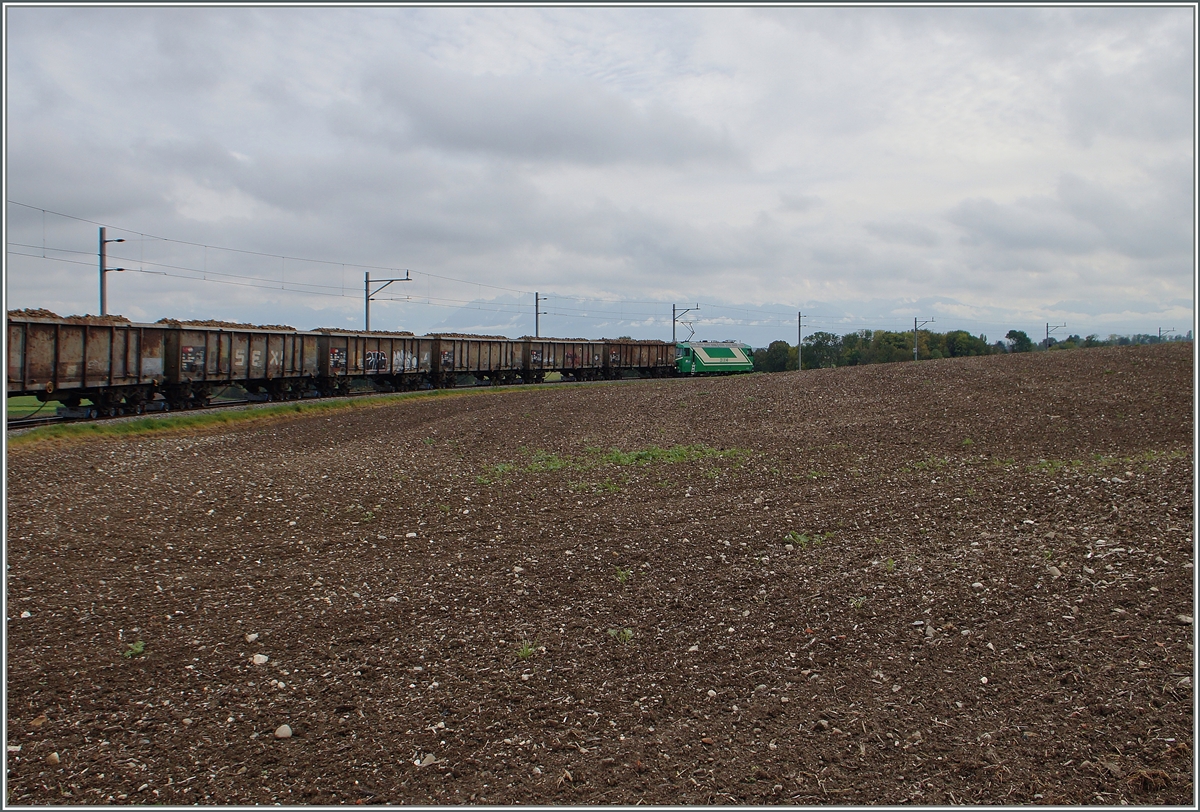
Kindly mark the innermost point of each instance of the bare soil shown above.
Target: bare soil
(960, 581)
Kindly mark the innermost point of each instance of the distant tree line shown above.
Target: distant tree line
(823, 349)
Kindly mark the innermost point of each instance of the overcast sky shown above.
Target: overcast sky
(990, 168)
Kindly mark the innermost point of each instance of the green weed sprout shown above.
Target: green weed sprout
(622, 636)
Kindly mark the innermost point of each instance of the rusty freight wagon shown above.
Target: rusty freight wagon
(580, 359)
(279, 363)
(389, 361)
(491, 358)
(113, 363)
(655, 359)
(539, 356)
(577, 358)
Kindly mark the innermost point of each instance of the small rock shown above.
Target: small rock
(260, 659)
(410, 535)
(706, 740)
(977, 585)
(250, 638)
(525, 678)
(518, 570)
(694, 648)
(27, 614)
(1054, 571)
(929, 632)
(983, 680)
(53, 758)
(38, 722)
(711, 693)
(393, 599)
(283, 732)
(1186, 620)
(788, 547)
(187, 721)
(821, 724)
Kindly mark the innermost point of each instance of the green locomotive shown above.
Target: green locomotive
(713, 357)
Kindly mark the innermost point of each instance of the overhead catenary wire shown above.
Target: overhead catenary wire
(249, 252)
(510, 308)
(744, 316)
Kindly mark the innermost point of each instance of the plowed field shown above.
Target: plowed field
(959, 581)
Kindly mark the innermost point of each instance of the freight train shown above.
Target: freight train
(122, 367)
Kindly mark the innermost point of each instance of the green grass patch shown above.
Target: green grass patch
(931, 463)
(804, 540)
(547, 461)
(26, 405)
(1099, 463)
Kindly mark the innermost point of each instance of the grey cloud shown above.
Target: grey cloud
(1138, 224)
(798, 202)
(903, 233)
(1029, 224)
(535, 118)
(1148, 93)
(1144, 221)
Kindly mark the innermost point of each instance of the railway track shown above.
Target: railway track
(34, 422)
(96, 416)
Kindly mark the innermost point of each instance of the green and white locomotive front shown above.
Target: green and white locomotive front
(713, 357)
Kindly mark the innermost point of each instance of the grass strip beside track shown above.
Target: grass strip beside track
(202, 419)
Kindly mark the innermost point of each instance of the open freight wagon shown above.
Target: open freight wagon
(391, 362)
(113, 363)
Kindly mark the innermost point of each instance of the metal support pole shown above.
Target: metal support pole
(799, 340)
(368, 293)
(1050, 328)
(672, 323)
(104, 269)
(537, 321)
(915, 326)
(103, 262)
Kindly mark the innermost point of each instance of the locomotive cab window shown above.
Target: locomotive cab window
(682, 352)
